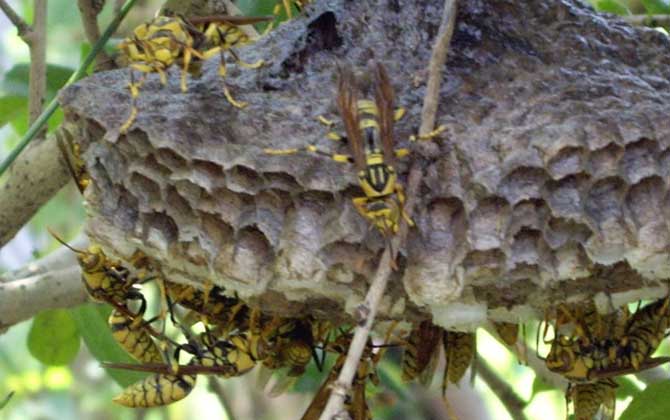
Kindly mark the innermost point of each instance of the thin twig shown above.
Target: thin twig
(512, 402)
(217, 389)
(437, 60)
(37, 84)
(647, 20)
(89, 11)
(369, 308)
(16, 20)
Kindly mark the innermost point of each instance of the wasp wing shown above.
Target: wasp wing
(347, 103)
(385, 98)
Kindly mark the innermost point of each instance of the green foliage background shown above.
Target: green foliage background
(45, 372)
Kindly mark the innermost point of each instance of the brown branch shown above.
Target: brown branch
(35, 177)
(37, 85)
(510, 399)
(368, 309)
(23, 299)
(51, 282)
(21, 25)
(89, 11)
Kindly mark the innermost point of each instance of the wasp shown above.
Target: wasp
(605, 347)
(167, 40)
(132, 335)
(422, 349)
(215, 308)
(589, 398)
(173, 382)
(71, 152)
(369, 133)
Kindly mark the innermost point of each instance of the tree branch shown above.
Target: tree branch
(35, 177)
(217, 389)
(368, 310)
(49, 283)
(89, 11)
(20, 24)
(512, 402)
(22, 299)
(37, 86)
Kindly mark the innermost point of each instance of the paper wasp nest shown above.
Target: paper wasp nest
(551, 180)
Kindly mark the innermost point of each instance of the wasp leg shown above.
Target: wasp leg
(134, 88)
(244, 64)
(428, 136)
(398, 114)
(400, 193)
(341, 158)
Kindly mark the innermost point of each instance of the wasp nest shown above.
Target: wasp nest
(551, 180)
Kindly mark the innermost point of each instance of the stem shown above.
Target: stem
(512, 402)
(53, 105)
(20, 24)
(37, 85)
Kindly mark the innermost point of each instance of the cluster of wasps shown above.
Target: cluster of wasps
(590, 350)
(174, 40)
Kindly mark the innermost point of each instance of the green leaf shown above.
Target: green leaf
(540, 386)
(656, 7)
(16, 79)
(5, 400)
(12, 107)
(53, 338)
(627, 388)
(612, 6)
(651, 404)
(92, 322)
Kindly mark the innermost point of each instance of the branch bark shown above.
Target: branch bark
(36, 176)
(21, 25)
(89, 11)
(52, 282)
(37, 42)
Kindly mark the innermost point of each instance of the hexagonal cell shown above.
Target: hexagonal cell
(145, 189)
(488, 224)
(645, 199)
(560, 231)
(565, 196)
(170, 159)
(568, 161)
(604, 162)
(603, 201)
(639, 160)
(523, 184)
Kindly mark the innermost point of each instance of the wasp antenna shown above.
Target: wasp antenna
(59, 239)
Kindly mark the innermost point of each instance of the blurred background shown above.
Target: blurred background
(72, 385)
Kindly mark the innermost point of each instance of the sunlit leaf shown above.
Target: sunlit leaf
(53, 338)
(656, 7)
(540, 386)
(627, 388)
(612, 6)
(651, 404)
(92, 322)
(11, 107)
(5, 400)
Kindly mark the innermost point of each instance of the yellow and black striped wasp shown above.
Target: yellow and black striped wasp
(590, 398)
(369, 133)
(166, 40)
(422, 349)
